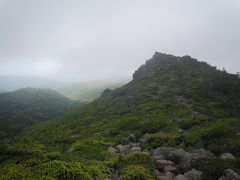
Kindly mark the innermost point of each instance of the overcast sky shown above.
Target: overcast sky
(79, 40)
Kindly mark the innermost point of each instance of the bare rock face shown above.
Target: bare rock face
(227, 156)
(229, 174)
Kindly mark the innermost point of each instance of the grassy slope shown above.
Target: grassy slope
(165, 94)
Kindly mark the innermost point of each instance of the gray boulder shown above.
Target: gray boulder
(229, 174)
(227, 156)
(193, 175)
(201, 153)
(135, 149)
(127, 140)
(180, 177)
(124, 149)
(164, 151)
(112, 149)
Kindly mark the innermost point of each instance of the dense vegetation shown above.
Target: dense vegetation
(28, 106)
(167, 93)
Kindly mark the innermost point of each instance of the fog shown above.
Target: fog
(83, 40)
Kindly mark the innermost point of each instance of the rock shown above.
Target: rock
(229, 174)
(123, 148)
(144, 139)
(166, 176)
(160, 157)
(97, 134)
(227, 156)
(177, 155)
(170, 168)
(162, 163)
(111, 133)
(180, 177)
(180, 131)
(135, 149)
(127, 140)
(193, 175)
(134, 144)
(201, 153)
(157, 172)
(164, 151)
(111, 149)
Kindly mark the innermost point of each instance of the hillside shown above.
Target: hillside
(175, 102)
(28, 106)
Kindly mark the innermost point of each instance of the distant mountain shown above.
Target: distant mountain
(12, 83)
(176, 115)
(28, 106)
(86, 92)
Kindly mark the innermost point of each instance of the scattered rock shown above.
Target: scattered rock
(180, 131)
(111, 149)
(201, 153)
(227, 156)
(135, 149)
(170, 168)
(127, 140)
(162, 163)
(229, 174)
(180, 177)
(111, 133)
(144, 139)
(97, 134)
(193, 175)
(134, 144)
(164, 151)
(166, 176)
(160, 157)
(123, 148)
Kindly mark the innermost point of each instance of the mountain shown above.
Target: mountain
(13, 83)
(28, 106)
(86, 92)
(175, 115)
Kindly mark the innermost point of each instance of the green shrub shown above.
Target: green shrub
(213, 168)
(136, 172)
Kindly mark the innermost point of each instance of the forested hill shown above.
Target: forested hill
(180, 103)
(28, 106)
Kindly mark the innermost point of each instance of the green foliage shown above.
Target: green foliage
(136, 172)
(163, 140)
(143, 159)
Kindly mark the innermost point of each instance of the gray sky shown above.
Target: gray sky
(79, 40)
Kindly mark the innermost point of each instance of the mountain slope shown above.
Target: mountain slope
(171, 101)
(28, 106)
